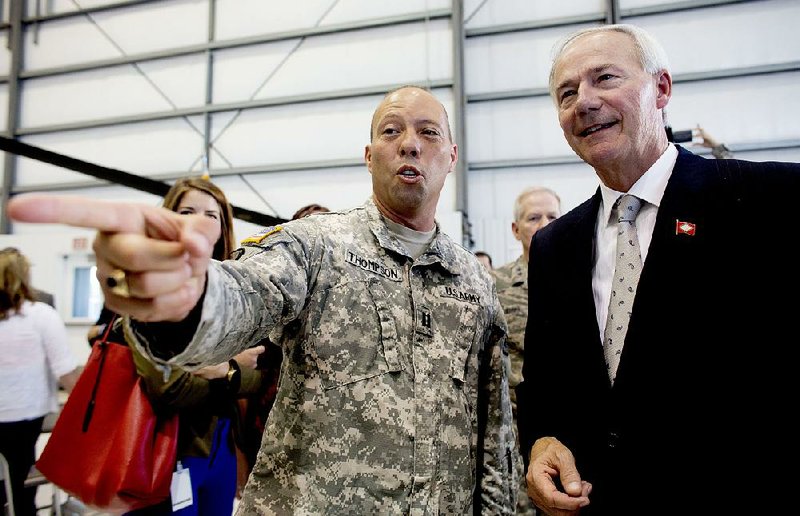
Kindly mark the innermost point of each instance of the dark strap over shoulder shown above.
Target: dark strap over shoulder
(102, 344)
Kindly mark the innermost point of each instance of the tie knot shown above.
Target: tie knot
(628, 207)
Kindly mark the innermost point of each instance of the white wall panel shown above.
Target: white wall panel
(153, 86)
(739, 35)
(65, 42)
(241, 73)
(285, 192)
(117, 32)
(407, 53)
(143, 149)
(63, 6)
(157, 25)
(742, 110)
(514, 129)
(296, 133)
(510, 61)
(39, 174)
(482, 13)
(242, 18)
(304, 132)
(349, 10)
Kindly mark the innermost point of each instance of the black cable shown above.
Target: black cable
(143, 184)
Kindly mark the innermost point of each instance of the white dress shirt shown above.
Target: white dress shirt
(650, 189)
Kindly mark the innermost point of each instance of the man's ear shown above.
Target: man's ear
(368, 157)
(663, 89)
(453, 157)
(515, 230)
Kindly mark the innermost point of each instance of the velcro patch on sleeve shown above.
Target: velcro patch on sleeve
(261, 235)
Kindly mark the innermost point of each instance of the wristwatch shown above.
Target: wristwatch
(233, 376)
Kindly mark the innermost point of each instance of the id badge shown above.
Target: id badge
(181, 488)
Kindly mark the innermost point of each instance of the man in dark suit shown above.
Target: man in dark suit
(700, 406)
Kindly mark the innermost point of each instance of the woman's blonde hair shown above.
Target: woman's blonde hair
(15, 280)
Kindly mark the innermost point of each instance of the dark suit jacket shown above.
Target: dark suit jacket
(705, 373)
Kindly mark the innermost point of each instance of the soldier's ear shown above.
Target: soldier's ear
(453, 157)
(368, 157)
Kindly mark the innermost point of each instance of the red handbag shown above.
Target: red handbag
(109, 448)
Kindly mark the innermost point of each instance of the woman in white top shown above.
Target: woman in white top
(34, 357)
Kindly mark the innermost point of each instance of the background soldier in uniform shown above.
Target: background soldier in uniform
(534, 208)
(384, 323)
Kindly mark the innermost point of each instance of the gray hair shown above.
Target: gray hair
(651, 54)
(529, 191)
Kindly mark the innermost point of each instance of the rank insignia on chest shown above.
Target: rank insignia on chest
(424, 321)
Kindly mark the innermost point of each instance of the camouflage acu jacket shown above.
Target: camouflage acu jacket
(512, 289)
(376, 410)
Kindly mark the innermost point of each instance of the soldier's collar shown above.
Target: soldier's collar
(440, 250)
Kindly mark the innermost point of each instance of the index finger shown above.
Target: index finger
(78, 211)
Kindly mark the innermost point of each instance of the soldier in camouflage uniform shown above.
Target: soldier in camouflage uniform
(393, 395)
(534, 208)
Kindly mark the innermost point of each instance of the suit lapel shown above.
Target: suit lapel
(581, 256)
(675, 259)
(683, 202)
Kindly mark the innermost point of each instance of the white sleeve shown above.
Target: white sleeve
(54, 340)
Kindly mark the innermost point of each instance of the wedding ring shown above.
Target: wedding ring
(118, 283)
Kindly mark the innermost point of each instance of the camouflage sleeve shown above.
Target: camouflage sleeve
(246, 298)
(498, 480)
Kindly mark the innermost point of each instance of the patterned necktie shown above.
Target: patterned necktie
(626, 278)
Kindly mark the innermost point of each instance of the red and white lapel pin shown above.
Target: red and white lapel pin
(683, 227)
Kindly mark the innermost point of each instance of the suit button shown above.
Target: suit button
(613, 439)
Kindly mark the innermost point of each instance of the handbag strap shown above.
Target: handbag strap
(103, 343)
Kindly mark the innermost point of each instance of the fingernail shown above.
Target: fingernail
(574, 486)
